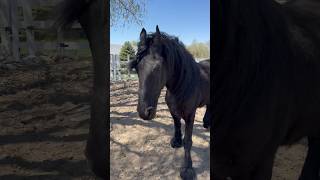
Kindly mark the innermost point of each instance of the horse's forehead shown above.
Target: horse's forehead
(144, 47)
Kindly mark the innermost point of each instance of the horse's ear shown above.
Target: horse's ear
(143, 35)
(157, 37)
(157, 30)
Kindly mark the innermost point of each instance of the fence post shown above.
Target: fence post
(13, 19)
(28, 20)
(110, 71)
(114, 68)
(4, 31)
(128, 60)
(111, 66)
(118, 67)
(60, 42)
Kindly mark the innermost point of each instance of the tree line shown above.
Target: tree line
(197, 49)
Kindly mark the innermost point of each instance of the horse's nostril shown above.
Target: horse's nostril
(147, 113)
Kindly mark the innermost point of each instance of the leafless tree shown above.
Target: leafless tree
(125, 12)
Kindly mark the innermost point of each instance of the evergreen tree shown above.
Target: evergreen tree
(126, 50)
(134, 43)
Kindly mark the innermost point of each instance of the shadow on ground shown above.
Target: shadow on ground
(145, 145)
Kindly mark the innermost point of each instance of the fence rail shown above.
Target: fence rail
(16, 16)
(119, 69)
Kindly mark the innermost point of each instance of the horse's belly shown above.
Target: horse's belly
(307, 124)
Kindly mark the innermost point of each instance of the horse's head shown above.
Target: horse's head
(152, 72)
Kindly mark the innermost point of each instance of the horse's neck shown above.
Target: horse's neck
(173, 86)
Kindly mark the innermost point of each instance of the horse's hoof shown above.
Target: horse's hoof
(176, 142)
(187, 173)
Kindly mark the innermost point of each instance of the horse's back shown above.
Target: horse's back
(205, 66)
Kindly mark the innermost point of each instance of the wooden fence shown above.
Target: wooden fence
(17, 16)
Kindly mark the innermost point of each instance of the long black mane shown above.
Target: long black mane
(258, 55)
(180, 63)
(266, 88)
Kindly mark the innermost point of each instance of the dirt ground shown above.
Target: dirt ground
(141, 149)
(44, 114)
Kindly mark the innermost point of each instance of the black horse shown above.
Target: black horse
(162, 60)
(93, 17)
(266, 85)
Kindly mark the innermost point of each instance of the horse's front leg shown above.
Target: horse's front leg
(96, 149)
(311, 167)
(176, 141)
(187, 172)
(207, 118)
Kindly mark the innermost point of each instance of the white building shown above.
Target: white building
(115, 48)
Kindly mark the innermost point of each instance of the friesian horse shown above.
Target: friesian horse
(163, 61)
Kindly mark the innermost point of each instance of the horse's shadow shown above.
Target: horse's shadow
(62, 168)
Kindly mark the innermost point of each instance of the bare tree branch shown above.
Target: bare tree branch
(125, 12)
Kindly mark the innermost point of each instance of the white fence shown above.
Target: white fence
(115, 74)
(119, 69)
(16, 16)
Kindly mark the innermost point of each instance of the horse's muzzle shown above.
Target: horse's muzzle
(148, 113)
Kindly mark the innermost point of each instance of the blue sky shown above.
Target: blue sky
(187, 19)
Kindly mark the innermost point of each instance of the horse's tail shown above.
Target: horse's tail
(68, 11)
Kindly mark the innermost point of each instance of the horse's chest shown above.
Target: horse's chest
(186, 110)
